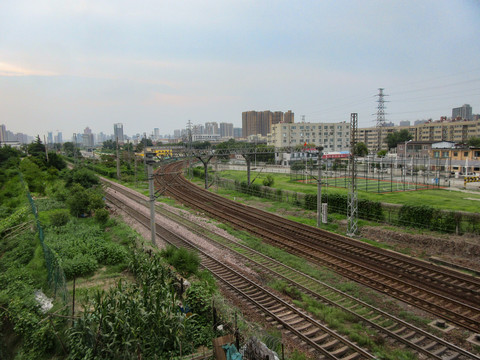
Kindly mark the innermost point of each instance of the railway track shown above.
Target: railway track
(322, 342)
(448, 294)
(389, 326)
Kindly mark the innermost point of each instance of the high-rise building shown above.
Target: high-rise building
(59, 137)
(226, 130)
(211, 128)
(50, 137)
(87, 138)
(254, 123)
(101, 137)
(463, 112)
(277, 117)
(237, 133)
(289, 117)
(405, 123)
(3, 133)
(118, 132)
(249, 123)
(198, 129)
(264, 122)
(156, 133)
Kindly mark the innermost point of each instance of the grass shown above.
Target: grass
(348, 325)
(439, 198)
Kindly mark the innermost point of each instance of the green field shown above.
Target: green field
(439, 198)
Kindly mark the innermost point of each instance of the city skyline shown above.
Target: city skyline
(66, 65)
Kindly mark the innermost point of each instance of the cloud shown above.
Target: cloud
(14, 70)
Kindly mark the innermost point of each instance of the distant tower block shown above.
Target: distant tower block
(380, 117)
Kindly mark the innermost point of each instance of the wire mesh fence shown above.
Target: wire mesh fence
(423, 217)
(55, 275)
(379, 175)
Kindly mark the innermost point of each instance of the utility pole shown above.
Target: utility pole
(190, 150)
(149, 161)
(319, 184)
(75, 149)
(118, 162)
(352, 206)
(46, 149)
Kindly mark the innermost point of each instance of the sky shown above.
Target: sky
(66, 65)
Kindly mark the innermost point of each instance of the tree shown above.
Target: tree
(396, 137)
(69, 149)
(8, 155)
(56, 161)
(201, 145)
(78, 201)
(36, 148)
(128, 147)
(360, 149)
(382, 153)
(474, 142)
(267, 153)
(109, 144)
(80, 175)
(297, 165)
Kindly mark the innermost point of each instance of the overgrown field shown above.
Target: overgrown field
(128, 304)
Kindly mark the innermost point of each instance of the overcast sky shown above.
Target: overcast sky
(66, 65)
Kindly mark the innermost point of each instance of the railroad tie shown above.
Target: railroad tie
(341, 351)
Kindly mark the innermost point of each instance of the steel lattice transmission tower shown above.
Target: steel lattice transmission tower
(352, 206)
(380, 117)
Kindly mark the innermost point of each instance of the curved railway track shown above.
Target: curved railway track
(322, 341)
(448, 294)
(389, 326)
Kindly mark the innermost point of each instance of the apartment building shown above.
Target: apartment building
(332, 136)
(260, 122)
(457, 131)
(226, 130)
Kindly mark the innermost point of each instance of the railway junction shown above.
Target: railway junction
(451, 297)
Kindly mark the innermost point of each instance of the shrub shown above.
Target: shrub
(186, 262)
(80, 265)
(310, 202)
(78, 202)
(419, 216)
(95, 199)
(86, 178)
(102, 215)
(114, 254)
(59, 218)
(268, 181)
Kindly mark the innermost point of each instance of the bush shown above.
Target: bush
(59, 218)
(86, 178)
(80, 265)
(102, 215)
(268, 181)
(114, 254)
(186, 262)
(78, 201)
(419, 216)
(310, 202)
(426, 217)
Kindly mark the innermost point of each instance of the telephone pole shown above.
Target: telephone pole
(118, 161)
(149, 162)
